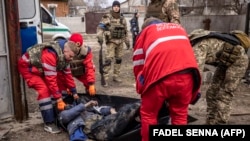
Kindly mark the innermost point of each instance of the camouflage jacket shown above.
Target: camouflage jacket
(171, 11)
(35, 53)
(166, 10)
(208, 48)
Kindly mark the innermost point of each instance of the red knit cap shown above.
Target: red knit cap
(77, 38)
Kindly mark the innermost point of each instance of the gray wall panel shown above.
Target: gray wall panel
(5, 95)
(5, 85)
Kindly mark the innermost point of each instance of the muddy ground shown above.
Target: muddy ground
(32, 129)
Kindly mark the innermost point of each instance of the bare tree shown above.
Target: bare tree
(240, 6)
(198, 7)
(214, 7)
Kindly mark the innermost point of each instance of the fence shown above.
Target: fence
(223, 23)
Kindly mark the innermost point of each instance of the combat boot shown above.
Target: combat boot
(117, 79)
(210, 121)
(105, 84)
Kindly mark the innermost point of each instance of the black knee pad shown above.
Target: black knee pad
(118, 61)
(107, 62)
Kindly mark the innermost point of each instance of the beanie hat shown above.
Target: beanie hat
(78, 40)
(116, 3)
(150, 21)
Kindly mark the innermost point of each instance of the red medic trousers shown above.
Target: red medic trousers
(176, 89)
(34, 79)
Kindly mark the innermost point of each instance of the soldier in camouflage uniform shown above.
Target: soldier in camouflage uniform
(113, 27)
(227, 51)
(166, 10)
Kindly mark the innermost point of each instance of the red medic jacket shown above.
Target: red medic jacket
(160, 50)
(89, 67)
(51, 74)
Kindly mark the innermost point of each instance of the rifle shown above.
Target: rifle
(101, 66)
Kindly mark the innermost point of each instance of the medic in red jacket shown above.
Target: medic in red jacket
(88, 78)
(165, 69)
(42, 67)
(82, 66)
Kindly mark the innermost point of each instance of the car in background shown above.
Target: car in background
(52, 30)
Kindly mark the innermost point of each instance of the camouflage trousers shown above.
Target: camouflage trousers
(220, 94)
(114, 53)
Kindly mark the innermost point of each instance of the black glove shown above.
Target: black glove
(100, 40)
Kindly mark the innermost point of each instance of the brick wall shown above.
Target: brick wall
(62, 9)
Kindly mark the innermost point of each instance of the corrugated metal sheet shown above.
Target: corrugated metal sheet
(6, 103)
(92, 21)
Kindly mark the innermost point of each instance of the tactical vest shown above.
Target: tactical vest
(117, 28)
(155, 10)
(229, 54)
(77, 67)
(230, 51)
(35, 53)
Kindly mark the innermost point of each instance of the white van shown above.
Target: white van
(51, 28)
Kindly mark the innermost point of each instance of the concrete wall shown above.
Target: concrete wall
(219, 23)
(75, 24)
(223, 23)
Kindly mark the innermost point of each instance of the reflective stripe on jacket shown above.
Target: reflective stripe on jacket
(160, 50)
